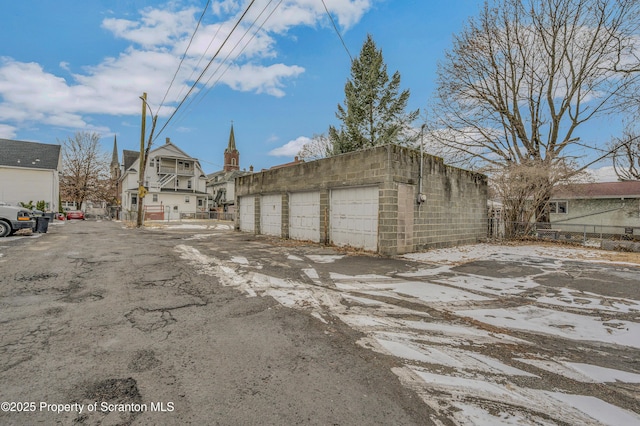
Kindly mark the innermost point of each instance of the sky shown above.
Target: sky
(69, 66)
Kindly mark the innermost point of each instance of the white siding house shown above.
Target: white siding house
(30, 171)
(175, 184)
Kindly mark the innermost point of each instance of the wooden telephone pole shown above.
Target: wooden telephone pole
(141, 189)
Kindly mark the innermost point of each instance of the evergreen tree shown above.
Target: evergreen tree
(374, 111)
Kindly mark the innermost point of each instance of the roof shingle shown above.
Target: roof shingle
(30, 155)
(624, 189)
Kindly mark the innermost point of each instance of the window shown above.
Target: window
(134, 200)
(152, 162)
(186, 199)
(558, 207)
(200, 202)
(187, 165)
(189, 184)
(175, 208)
(155, 198)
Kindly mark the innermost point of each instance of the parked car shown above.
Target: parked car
(75, 214)
(14, 218)
(59, 216)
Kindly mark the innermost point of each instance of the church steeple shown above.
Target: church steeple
(115, 164)
(231, 154)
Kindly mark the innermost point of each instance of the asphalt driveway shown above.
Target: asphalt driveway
(197, 323)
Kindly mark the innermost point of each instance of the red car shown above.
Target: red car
(75, 214)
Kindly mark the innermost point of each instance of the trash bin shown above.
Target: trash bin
(36, 214)
(42, 224)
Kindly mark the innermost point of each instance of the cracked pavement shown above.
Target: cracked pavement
(231, 328)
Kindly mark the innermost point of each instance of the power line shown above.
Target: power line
(193, 86)
(204, 54)
(209, 87)
(206, 68)
(335, 27)
(206, 6)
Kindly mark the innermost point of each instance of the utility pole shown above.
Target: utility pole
(141, 189)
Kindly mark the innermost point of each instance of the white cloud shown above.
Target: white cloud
(156, 27)
(604, 174)
(7, 132)
(273, 139)
(260, 79)
(224, 7)
(291, 148)
(310, 12)
(29, 93)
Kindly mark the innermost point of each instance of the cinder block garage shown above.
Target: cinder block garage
(354, 217)
(271, 214)
(386, 199)
(304, 216)
(246, 213)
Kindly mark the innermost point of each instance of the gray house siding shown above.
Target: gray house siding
(608, 214)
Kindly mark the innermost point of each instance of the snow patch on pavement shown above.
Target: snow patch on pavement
(586, 373)
(558, 323)
(586, 300)
(442, 357)
(324, 258)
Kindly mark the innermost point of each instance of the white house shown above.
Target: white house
(30, 171)
(175, 184)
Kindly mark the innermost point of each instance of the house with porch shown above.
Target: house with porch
(174, 181)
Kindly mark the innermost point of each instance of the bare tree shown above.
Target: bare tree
(520, 186)
(626, 155)
(85, 170)
(319, 147)
(523, 76)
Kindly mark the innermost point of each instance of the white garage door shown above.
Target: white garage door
(304, 216)
(271, 215)
(354, 217)
(247, 213)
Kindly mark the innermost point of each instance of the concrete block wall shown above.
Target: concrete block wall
(324, 216)
(341, 171)
(454, 212)
(455, 209)
(284, 230)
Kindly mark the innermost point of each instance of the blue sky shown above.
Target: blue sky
(67, 66)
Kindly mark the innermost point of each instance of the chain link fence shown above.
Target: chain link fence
(209, 215)
(586, 234)
(174, 215)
